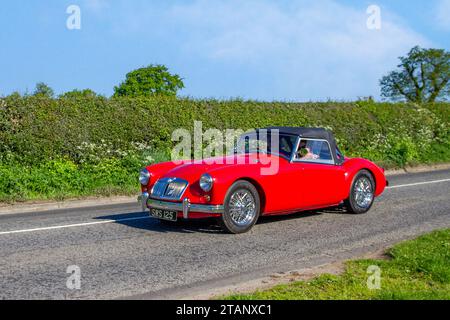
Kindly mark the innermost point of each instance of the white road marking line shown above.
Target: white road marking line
(72, 225)
(417, 184)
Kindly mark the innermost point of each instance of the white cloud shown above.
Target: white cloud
(443, 14)
(310, 49)
(96, 6)
(288, 50)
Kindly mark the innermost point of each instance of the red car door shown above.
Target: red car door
(304, 183)
(287, 190)
(324, 184)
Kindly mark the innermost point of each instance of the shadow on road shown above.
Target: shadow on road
(152, 224)
(140, 220)
(302, 214)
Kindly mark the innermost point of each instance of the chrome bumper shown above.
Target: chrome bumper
(142, 199)
(184, 207)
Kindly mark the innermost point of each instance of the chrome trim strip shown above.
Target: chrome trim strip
(184, 207)
(294, 149)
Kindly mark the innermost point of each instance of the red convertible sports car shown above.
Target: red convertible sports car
(310, 173)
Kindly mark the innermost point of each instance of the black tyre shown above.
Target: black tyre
(362, 193)
(241, 207)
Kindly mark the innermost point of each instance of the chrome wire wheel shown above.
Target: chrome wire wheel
(363, 192)
(242, 207)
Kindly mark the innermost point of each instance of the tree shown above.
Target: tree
(149, 81)
(43, 90)
(423, 76)
(86, 93)
(15, 95)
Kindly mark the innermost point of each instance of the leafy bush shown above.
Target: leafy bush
(62, 178)
(99, 143)
(149, 81)
(77, 94)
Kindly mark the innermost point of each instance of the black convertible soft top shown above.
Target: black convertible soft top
(313, 133)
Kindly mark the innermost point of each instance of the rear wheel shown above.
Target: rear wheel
(362, 193)
(241, 207)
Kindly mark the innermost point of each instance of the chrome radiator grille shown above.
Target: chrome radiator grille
(169, 188)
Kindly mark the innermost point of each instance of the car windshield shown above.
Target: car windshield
(266, 142)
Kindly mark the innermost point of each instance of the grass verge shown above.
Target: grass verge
(417, 269)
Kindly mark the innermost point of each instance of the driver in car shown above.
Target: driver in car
(304, 152)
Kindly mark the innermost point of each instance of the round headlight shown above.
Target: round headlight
(144, 177)
(206, 182)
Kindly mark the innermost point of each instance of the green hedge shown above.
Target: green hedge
(84, 134)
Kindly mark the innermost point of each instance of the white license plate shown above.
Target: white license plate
(163, 214)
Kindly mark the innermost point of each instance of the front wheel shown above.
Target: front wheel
(362, 193)
(241, 207)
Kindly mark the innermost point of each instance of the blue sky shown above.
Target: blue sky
(254, 49)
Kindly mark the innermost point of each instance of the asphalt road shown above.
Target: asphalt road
(121, 252)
